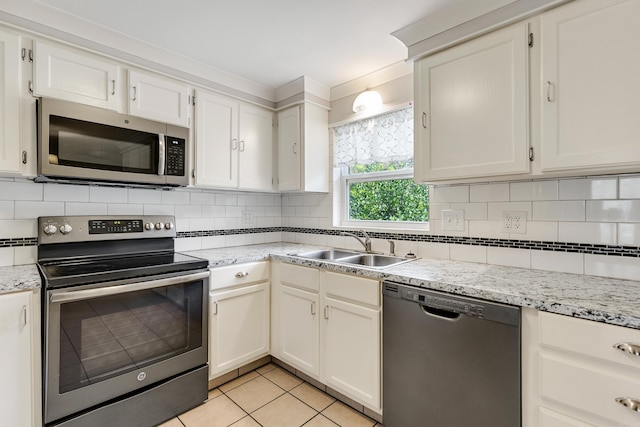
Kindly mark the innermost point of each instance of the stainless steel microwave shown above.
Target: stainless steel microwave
(79, 143)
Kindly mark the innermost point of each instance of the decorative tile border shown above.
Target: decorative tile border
(584, 248)
(18, 241)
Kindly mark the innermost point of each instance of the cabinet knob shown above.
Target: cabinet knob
(242, 274)
(630, 403)
(627, 347)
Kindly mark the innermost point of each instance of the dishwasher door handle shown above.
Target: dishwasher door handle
(439, 313)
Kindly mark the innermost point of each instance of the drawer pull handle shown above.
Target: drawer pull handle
(630, 403)
(628, 348)
(242, 274)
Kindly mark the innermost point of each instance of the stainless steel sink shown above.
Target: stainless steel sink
(374, 260)
(355, 258)
(327, 254)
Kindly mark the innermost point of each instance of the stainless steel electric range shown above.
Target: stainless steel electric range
(124, 321)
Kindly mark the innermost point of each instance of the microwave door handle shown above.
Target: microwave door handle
(161, 154)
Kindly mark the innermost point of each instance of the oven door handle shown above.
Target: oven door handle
(119, 289)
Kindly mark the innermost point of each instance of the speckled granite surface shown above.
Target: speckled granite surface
(19, 278)
(595, 298)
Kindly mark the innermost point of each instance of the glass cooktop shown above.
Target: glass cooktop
(85, 271)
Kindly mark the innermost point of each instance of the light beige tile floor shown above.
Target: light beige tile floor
(270, 397)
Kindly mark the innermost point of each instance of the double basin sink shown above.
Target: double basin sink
(355, 258)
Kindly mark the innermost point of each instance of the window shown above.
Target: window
(375, 160)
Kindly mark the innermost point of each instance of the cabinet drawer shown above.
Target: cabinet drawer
(239, 274)
(359, 289)
(549, 418)
(300, 277)
(589, 338)
(590, 387)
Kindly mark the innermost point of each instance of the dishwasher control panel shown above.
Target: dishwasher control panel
(446, 304)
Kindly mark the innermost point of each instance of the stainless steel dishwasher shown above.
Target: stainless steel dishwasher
(449, 361)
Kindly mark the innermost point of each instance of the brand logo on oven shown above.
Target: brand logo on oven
(142, 376)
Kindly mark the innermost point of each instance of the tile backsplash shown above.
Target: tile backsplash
(588, 225)
(578, 225)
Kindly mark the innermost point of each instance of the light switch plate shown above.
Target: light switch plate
(453, 220)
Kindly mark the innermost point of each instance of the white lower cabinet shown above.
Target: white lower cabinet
(295, 318)
(16, 367)
(239, 316)
(327, 325)
(575, 374)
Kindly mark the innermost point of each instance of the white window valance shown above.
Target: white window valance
(379, 139)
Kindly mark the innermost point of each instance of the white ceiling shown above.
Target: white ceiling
(269, 42)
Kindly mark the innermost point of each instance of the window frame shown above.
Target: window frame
(343, 216)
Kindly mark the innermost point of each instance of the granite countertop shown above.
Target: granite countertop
(19, 278)
(612, 301)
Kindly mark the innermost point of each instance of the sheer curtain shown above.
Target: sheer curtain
(379, 139)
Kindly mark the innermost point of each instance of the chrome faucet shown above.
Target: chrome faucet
(366, 242)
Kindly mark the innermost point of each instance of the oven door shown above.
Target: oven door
(104, 342)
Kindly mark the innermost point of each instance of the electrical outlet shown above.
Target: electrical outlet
(453, 220)
(246, 217)
(514, 222)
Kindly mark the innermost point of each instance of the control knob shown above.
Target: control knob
(159, 225)
(50, 229)
(148, 226)
(168, 225)
(66, 229)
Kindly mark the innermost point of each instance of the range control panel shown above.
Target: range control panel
(107, 226)
(62, 229)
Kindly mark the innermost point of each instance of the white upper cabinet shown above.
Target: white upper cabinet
(303, 149)
(216, 135)
(234, 144)
(155, 98)
(70, 75)
(591, 86)
(10, 74)
(289, 147)
(256, 148)
(471, 112)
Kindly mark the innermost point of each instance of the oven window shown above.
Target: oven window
(95, 146)
(105, 337)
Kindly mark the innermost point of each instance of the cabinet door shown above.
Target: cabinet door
(590, 85)
(255, 171)
(9, 103)
(471, 114)
(80, 77)
(299, 329)
(239, 327)
(315, 149)
(289, 147)
(15, 359)
(155, 98)
(216, 141)
(351, 350)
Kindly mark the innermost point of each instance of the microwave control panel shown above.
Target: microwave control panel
(175, 151)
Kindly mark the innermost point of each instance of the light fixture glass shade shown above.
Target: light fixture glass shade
(367, 100)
